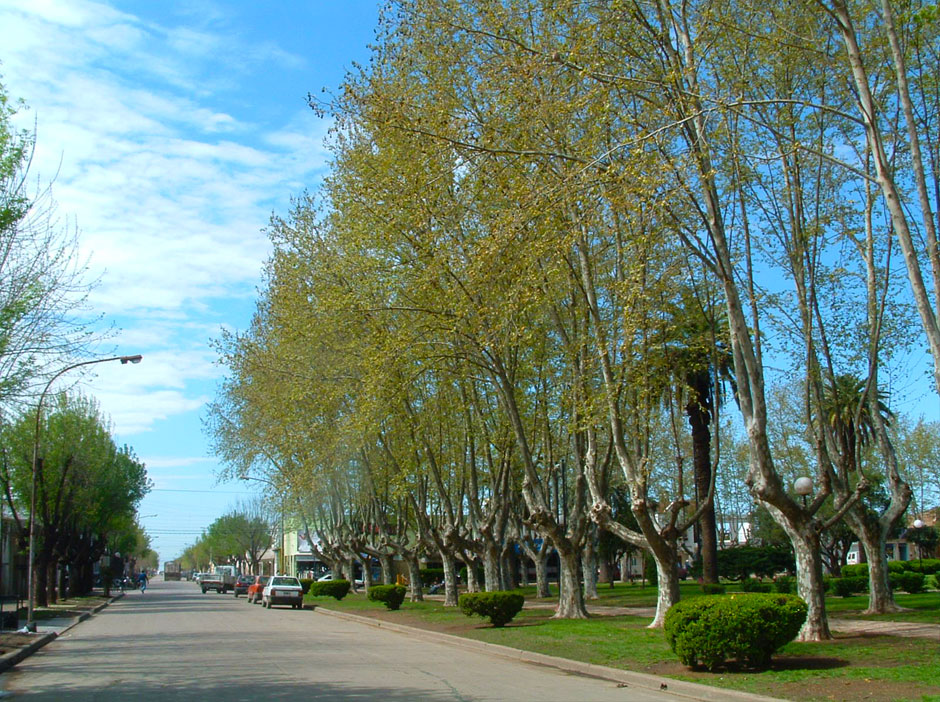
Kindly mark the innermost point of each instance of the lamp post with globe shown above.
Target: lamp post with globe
(803, 486)
(919, 524)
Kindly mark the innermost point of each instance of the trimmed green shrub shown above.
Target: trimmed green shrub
(713, 589)
(909, 582)
(499, 607)
(860, 570)
(305, 583)
(753, 585)
(337, 589)
(785, 584)
(709, 631)
(741, 562)
(927, 566)
(846, 587)
(391, 595)
(855, 570)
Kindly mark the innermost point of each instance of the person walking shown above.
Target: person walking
(142, 579)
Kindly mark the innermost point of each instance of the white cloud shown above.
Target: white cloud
(159, 200)
(69, 13)
(170, 176)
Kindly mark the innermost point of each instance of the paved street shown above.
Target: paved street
(174, 643)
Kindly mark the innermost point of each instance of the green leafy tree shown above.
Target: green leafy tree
(918, 447)
(245, 533)
(926, 537)
(87, 489)
(41, 283)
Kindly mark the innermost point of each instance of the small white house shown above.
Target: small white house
(896, 550)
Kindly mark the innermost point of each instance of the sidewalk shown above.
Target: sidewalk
(47, 630)
(914, 630)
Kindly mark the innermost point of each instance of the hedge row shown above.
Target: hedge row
(709, 631)
(754, 585)
(783, 584)
(741, 562)
(907, 581)
(927, 566)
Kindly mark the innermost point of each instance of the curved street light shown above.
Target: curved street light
(279, 548)
(30, 623)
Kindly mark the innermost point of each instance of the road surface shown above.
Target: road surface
(175, 643)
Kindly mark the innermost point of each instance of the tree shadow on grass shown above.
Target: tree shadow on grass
(778, 664)
(807, 663)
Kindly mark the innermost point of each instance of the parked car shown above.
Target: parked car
(283, 589)
(242, 583)
(256, 589)
(329, 576)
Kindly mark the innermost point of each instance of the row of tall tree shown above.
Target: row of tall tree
(240, 537)
(87, 493)
(559, 240)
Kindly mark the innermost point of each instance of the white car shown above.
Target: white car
(283, 589)
(329, 576)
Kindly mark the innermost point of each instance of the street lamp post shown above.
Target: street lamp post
(279, 552)
(803, 487)
(919, 524)
(31, 595)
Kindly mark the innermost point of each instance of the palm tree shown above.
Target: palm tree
(849, 415)
(699, 360)
(852, 416)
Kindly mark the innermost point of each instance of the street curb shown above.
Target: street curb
(626, 678)
(8, 660)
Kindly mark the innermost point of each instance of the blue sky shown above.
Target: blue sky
(172, 131)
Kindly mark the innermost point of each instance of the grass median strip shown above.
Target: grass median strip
(850, 667)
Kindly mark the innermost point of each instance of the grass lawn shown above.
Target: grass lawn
(880, 668)
(924, 607)
(65, 607)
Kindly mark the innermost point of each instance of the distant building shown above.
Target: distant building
(12, 562)
(898, 549)
(298, 558)
(895, 549)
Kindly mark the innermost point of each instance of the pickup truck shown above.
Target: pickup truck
(221, 580)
